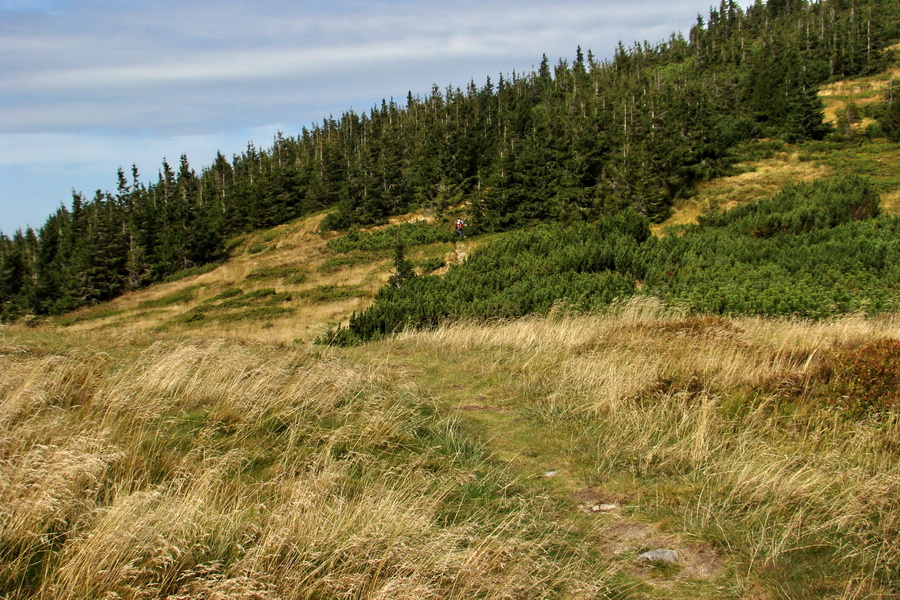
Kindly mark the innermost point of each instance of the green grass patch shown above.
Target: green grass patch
(430, 265)
(235, 299)
(87, 315)
(232, 244)
(182, 296)
(198, 318)
(268, 236)
(338, 263)
(333, 293)
(192, 271)
(225, 294)
(193, 317)
(408, 234)
(264, 295)
(878, 160)
(286, 272)
(257, 313)
(261, 242)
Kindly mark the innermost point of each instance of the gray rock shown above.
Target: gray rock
(661, 555)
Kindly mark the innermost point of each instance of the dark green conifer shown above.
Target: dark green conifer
(890, 122)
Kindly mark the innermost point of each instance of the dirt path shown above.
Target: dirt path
(550, 463)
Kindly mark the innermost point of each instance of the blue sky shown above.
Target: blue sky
(87, 86)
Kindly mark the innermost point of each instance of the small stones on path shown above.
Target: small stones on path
(598, 508)
(551, 473)
(659, 555)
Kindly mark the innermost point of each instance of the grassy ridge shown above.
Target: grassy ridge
(196, 468)
(182, 468)
(464, 461)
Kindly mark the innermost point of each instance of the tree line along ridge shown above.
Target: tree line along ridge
(567, 143)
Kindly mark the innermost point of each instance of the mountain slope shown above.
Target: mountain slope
(187, 441)
(522, 459)
(569, 142)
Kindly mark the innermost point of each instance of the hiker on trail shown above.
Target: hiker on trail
(459, 227)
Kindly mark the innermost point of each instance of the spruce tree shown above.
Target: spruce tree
(890, 122)
(403, 269)
(805, 116)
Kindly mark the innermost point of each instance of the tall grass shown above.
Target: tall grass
(191, 468)
(731, 430)
(210, 469)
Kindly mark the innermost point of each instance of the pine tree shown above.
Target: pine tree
(890, 122)
(806, 115)
(403, 269)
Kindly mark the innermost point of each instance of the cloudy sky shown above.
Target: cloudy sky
(87, 86)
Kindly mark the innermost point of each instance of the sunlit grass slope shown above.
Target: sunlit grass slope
(466, 462)
(187, 441)
(279, 285)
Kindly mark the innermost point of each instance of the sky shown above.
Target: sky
(89, 86)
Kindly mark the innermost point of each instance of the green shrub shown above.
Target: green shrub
(180, 297)
(430, 265)
(336, 263)
(523, 272)
(266, 296)
(814, 250)
(278, 272)
(803, 208)
(225, 294)
(407, 234)
(333, 293)
(189, 318)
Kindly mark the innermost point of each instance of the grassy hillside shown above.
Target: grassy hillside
(188, 441)
(280, 285)
(534, 458)
(285, 284)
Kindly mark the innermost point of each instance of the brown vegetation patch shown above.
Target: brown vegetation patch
(714, 326)
(866, 378)
(890, 202)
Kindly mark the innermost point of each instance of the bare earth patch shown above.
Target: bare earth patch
(625, 539)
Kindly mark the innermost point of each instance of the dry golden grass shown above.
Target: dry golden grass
(890, 203)
(717, 426)
(860, 91)
(135, 466)
(762, 179)
(207, 468)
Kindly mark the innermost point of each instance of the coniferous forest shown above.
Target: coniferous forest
(607, 144)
